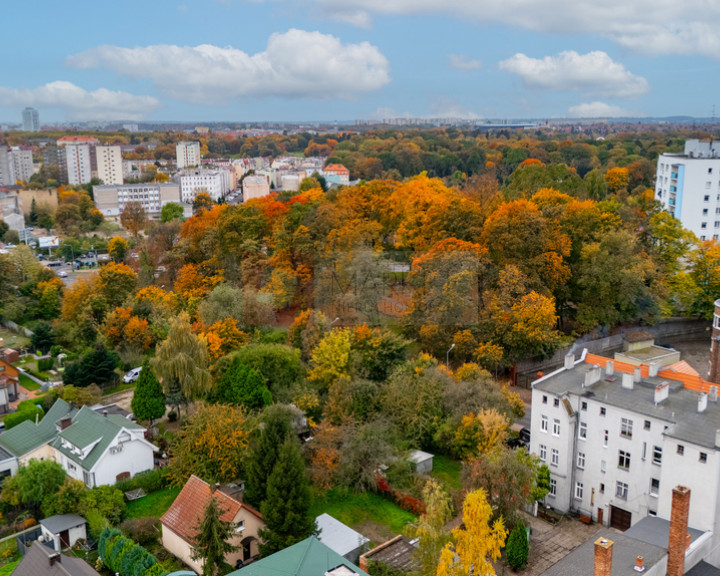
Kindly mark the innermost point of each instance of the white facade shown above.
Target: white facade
(21, 164)
(214, 182)
(255, 186)
(188, 154)
(5, 176)
(614, 447)
(77, 163)
(31, 120)
(111, 200)
(688, 185)
(109, 164)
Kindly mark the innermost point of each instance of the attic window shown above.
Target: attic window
(240, 526)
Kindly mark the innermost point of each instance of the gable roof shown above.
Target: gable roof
(37, 562)
(61, 522)
(187, 510)
(337, 536)
(7, 369)
(307, 558)
(27, 436)
(89, 428)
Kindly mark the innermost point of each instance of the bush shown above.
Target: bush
(144, 531)
(30, 522)
(518, 547)
(97, 523)
(45, 364)
(172, 416)
(55, 350)
(26, 413)
(150, 481)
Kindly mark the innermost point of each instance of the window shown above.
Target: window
(707, 185)
(680, 449)
(703, 457)
(583, 431)
(555, 455)
(543, 452)
(647, 425)
(602, 465)
(578, 490)
(657, 455)
(654, 486)
(556, 402)
(621, 490)
(583, 406)
(581, 460)
(544, 423)
(605, 439)
(556, 427)
(705, 212)
(544, 399)
(624, 460)
(553, 487)
(602, 411)
(706, 198)
(626, 426)
(703, 225)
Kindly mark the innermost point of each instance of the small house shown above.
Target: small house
(63, 530)
(341, 538)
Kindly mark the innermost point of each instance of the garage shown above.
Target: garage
(620, 519)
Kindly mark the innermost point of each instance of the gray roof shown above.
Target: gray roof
(337, 536)
(57, 524)
(656, 531)
(5, 455)
(702, 568)
(418, 456)
(625, 550)
(37, 562)
(679, 410)
(397, 553)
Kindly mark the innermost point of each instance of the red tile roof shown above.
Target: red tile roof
(187, 510)
(337, 168)
(73, 139)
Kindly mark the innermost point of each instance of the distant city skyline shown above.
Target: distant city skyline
(342, 60)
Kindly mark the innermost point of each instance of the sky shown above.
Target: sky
(342, 60)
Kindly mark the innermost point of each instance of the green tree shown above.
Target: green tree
(430, 528)
(32, 484)
(277, 427)
(96, 367)
(279, 364)
(148, 402)
(517, 548)
(286, 508)
(224, 301)
(3, 229)
(212, 540)
(171, 211)
(181, 364)
(43, 337)
(242, 386)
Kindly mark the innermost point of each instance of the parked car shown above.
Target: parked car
(63, 274)
(133, 375)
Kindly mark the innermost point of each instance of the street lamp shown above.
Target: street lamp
(447, 360)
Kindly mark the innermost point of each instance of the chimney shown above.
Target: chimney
(603, 557)
(678, 541)
(639, 564)
(661, 392)
(717, 438)
(592, 375)
(65, 422)
(637, 374)
(609, 368)
(54, 558)
(702, 403)
(653, 369)
(569, 361)
(105, 413)
(628, 381)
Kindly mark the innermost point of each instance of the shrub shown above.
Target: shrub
(30, 522)
(155, 570)
(150, 481)
(45, 364)
(518, 547)
(97, 523)
(27, 413)
(55, 350)
(130, 559)
(144, 531)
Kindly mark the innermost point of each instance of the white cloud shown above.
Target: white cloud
(296, 64)
(81, 104)
(462, 62)
(592, 73)
(648, 26)
(598, 110)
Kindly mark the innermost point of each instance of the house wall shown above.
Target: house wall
(135, 457)
(252, 526)
(74, 534)
(177, 546)
(44, 452)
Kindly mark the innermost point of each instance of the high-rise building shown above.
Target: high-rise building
(5, 176)
(21, 164)
(688, 185)
(31, 120)
(77, 158)
(188, 154)
(109, 164)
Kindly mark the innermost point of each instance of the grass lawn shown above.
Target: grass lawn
(8, 568)
(153, 505)
(14, 341)
(119, 388)
(353, 509)
(28, 383)
(447, 471)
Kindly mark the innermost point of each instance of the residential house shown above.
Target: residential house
(41, 560)
(307, 558)
(340, 538)
(179, 523)
(336, 174)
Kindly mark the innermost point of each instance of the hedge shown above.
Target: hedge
(123, 556)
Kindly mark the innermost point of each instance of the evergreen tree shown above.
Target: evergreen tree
(43, 337)
(33, 217)
(276, 429)
(517, 547)
(242, 386)
(286, 509)
(211, 541)
(97, 367)
(148, 402)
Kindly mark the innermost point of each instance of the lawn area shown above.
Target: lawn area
(353, 509)
(447, 471)
(8, 568)
(153, 505)
(28, 383)
(14, 341)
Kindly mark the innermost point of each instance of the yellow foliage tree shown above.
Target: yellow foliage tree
(617, 179)
(330, 358)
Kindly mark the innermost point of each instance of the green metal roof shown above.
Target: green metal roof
(27, 436)
(307, 558)
(89, 427)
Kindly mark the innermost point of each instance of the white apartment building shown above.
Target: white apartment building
(617, 438)
(111, 200)
(188, 154)
(214, 182)
(109, 164)
(76, 161)
(20, 164)
(688, 185)
(255, 186)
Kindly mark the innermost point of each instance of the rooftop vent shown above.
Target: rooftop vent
(662, 391)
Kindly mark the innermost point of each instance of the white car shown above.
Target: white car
(63, 274)
(133, 375)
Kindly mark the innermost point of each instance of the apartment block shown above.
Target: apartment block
(188, 154)
(111, 200)
(109, 164)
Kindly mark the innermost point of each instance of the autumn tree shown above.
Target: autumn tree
(617, 179)
(118, 248)
(212, 540)
(147, 401)
(116, 282)
(133, 218)
(330, 359)
(476, 544)
(212, 444)
(430, 527)
(202, 201)
(181, 363)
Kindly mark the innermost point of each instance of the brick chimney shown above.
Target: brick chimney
(714, 372)
(678, 539)
(54, 558)
(65, 422)
(603, 557)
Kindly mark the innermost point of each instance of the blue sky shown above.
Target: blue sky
(304, 60)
